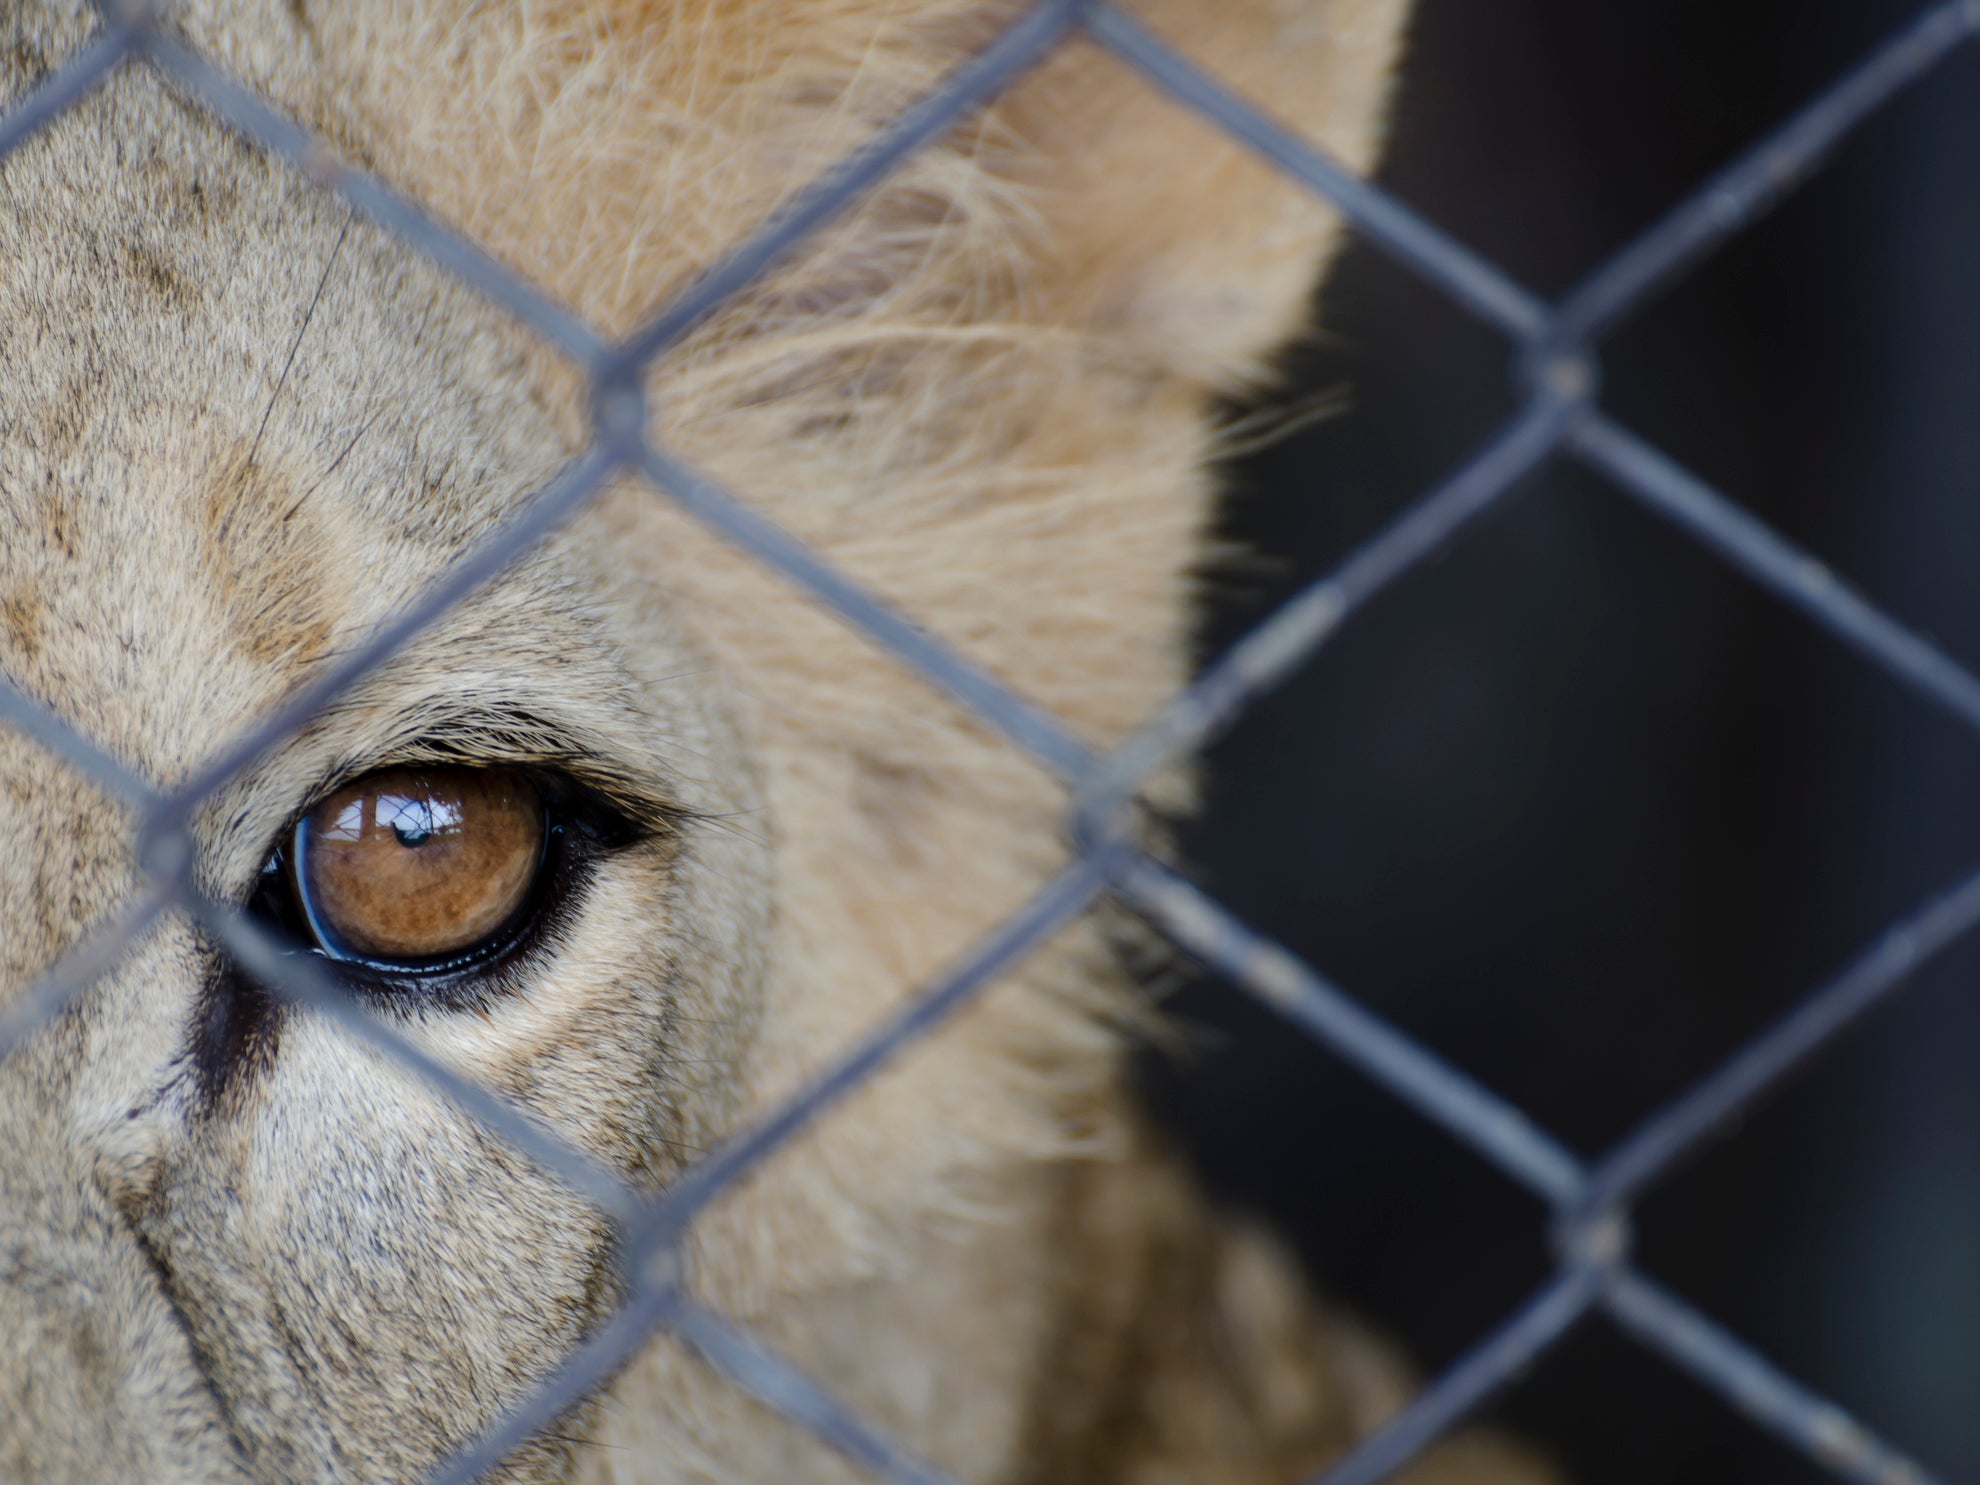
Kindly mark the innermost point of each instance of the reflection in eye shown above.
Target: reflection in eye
(414, 865)
(413, 818)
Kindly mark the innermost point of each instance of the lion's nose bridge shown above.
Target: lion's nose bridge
(98, 1379)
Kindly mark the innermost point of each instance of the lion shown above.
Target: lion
(637, 835)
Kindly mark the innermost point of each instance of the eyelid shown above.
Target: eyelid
(570, 771)
(453, 732)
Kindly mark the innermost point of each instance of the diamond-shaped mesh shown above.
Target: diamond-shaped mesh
(1562, 417)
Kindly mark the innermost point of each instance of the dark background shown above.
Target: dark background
(1582, 810)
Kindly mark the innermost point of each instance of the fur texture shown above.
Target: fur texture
(239, 427)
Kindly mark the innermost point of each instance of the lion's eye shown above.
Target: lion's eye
(417, 865)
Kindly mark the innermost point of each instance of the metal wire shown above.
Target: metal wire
(1555, 348)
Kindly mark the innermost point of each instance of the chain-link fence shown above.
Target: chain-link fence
(1556, 348)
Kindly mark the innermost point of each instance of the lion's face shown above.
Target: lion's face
(190, 533)
(239, 429)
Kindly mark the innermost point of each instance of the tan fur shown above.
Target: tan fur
(983, 394)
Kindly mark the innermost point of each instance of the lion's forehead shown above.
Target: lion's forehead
(225, 457)
(160, 590)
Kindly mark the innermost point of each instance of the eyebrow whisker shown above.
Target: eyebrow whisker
(295, 345)
(333, 466)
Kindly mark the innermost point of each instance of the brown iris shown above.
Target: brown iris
(419, 864)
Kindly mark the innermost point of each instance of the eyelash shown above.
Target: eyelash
(582, 827)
